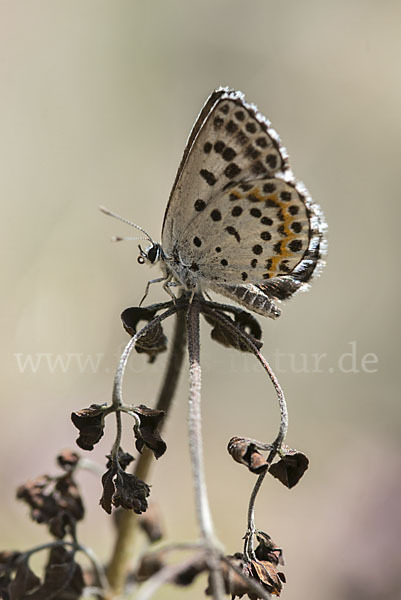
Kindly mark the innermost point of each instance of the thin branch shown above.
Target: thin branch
(126, 524)
(165, 575)
(194, 425)
(100, 572)
(248, 546)
(119, 376)
(117, 441)
(196, 451)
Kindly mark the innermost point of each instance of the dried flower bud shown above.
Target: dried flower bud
(130, 492)
(147, 433)
(234, 584)
(90, 422)
(290, 468)
(244, 451)
(224, 335)
(123, 458)
(262, 572)
(268, 576)
(55, 501)
(153, 342)
(68, 460)
(123, 489)
(268, 550)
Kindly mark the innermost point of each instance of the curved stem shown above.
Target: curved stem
(126, 524)
(276, 445)
(119, 376)
(226, 322)
(76, 547)
(248, 546)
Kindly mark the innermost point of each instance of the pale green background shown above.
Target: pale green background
(96, 102)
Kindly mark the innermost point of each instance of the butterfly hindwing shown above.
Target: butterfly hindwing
(253, 232)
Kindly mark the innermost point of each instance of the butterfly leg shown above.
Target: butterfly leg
(157, 280)
(168, 284)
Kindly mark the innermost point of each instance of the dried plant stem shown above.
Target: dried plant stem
(117, 441)
(194, 425)
(276, 445)
(127, 521)
(196, 451)
(119, 376)
(165, 575)
(248, 546)
(236, 331)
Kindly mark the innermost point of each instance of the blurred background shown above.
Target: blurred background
(97, 100)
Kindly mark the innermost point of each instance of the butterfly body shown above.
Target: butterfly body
(237, 222)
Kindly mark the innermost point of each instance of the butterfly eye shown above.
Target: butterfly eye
(153, 253)
(141, 260)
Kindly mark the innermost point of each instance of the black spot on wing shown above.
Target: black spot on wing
(215, 215)
(269, 188)
(199, 205)
(232, 170)
(208, 176)
(232, 231)
(231, 127)
(229, 154)
(295, 245)
(236, 211)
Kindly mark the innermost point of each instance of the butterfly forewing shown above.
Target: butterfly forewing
(230, 142)
(237, 221)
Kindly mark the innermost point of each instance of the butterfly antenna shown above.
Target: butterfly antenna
(119, 238)
(108, 212)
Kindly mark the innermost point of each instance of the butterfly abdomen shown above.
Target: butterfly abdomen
(251, 297)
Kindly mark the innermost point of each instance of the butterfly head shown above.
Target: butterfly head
(150, 255)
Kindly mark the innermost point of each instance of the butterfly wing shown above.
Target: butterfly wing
(236, 215)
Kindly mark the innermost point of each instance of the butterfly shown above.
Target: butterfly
(237, 222)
